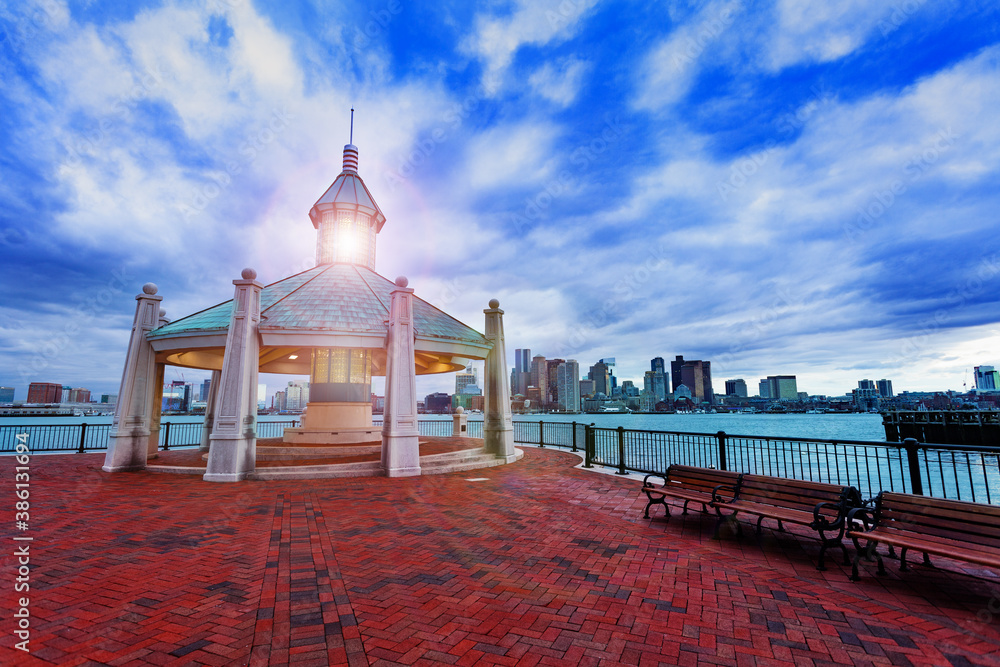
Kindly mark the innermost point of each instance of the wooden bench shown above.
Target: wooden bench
(686, 483)
(951, 528)
(817, 505)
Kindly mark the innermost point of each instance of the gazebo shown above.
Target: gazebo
(340, 323)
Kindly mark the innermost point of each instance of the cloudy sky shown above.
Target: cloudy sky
(781, 187)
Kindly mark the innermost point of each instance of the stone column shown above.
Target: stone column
(129, 436)
(211, 400)
(233, 442)
(498, 423)
(153, 443)
(400, 434)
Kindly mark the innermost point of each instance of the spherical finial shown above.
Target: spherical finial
(401, 281)
(459, 410)
(163, 313)
(149, 288)
(494, 303)
(249, 274)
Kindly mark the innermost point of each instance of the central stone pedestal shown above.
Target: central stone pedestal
(334, 423)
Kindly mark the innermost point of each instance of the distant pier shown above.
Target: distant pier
(947, 427)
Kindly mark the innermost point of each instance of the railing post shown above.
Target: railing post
(621, 451)
(541, 437)
(721, 435)
(83, 437)
(574, 436)
(913, 461)
(588, 446)
(166, 436)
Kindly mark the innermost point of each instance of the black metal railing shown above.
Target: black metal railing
(960, 472)
(91, 437)
(945, 471)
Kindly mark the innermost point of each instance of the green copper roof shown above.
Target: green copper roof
(331, 297)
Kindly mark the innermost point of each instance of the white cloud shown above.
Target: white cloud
(559, 82)
(497, 39)
(515, 154)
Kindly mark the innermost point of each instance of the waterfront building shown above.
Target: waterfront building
(279, 401)
(45, 392)
(782, 388)
(109, 399)
(437, 403)
(552, 368)
(737, 388)
(884, 388)
(866, 396)
(206, 388)
(6, 394)
(696, 375)
(569, 386)
(764, 389)
(296, 396)
(987, 378)
(629, 389)
(647, 400)
(465, 378)
(659, 380)
(586, 386)
(177, 397)
(522, 371)
(539, 377)
(378, 404)
(78, 395)
(600, 373)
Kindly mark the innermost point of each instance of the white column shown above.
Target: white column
(127, 444)
(400, 434)
(211, 400)
(498, 423)
(233, 442)
(153, 442)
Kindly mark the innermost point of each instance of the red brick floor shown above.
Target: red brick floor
(540, 563)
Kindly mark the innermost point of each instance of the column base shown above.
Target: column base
(128, 468)
(224, 476)
(402, 472)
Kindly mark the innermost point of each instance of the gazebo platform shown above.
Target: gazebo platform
(278, 460)
(535, 563)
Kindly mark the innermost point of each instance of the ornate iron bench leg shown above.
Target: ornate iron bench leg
(684, 513)
(902, 559)
(927, 560)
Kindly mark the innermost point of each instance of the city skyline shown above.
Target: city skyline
(771, 187)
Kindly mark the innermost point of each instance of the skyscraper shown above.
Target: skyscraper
(696, 375)
(659, 379)
(539, 377)
(987, 378)
(600, 373)
(568, 378)
(6, 394)
(884, 388)
(465, 378)
(736, 387)
(782, 387)
(522, 371)
(552, 367)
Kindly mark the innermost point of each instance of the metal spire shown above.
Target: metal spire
(352, 125)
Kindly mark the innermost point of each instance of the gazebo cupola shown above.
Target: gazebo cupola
(347, 218)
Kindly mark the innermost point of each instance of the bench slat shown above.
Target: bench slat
(948, 551)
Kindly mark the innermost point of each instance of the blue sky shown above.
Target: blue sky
(781, 187)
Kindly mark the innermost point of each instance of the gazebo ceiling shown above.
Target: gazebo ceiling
(332, 305)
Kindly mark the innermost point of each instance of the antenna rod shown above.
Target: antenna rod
(352, 125)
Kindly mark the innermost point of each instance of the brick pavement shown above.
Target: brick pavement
(540, 563)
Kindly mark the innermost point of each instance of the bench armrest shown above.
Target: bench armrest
(861, 515)
(717, 496)
(822, 522)
(647, 484)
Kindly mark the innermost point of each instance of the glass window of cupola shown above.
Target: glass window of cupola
(347, 237)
